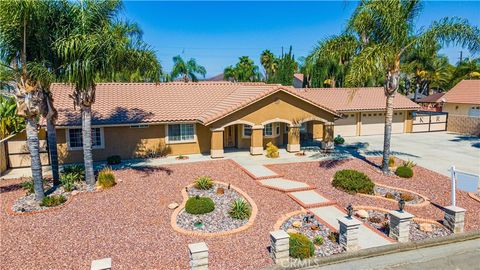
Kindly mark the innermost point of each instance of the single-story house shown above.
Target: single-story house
(463, 99)
(433, 102)
(146, 119)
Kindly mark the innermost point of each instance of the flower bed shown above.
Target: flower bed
(327, 248)
(393, 194)
(27, 203)
(219, 219)
(418, 230)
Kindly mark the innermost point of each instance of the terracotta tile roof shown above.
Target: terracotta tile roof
(356, 99)
(466, 91)
(128, 103)
(433, 98)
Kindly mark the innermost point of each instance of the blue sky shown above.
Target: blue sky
(217, 33)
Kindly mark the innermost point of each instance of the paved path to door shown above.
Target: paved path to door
(308, 197)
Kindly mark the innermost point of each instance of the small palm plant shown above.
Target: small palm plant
(203, 182)
(240, 209)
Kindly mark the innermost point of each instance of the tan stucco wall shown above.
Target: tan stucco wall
(19, 154)
(457, 108)
(279, 105)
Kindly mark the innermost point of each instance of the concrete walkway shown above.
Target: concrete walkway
(284, 184)
(367, 238)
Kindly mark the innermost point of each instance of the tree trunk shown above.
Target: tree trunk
(36, 164)
(388, 133)
(87, 146)
(52, 149)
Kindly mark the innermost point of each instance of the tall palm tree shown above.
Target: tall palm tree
(387, 32)
(465, 70)
(99, 47)
(269, 63)
(22, 29)
(244, 71)
(187, 70)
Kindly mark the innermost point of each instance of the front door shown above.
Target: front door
(230, 136)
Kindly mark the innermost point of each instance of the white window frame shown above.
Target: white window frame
(265, 129)
(102, 140)
(474, 111)
(167, 140)
(243, 131)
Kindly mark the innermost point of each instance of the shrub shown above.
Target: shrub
(113, 160)
(199, 205)
(240, 209)
(52, 201)
(391, 161)
(68, 181)
(339, 140)
(410, 164)
(300, 246)
(333, 236)
(106, 178)
(406, 197)
(375, 219)
(272, 150)
(318, 240)
(353, 181)
(389, 195)
(77, 170)
(404, 172)
(204, 182)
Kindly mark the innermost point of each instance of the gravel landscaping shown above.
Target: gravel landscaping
(418, 231)
(217, 221)
(396, 195)
(327, 248)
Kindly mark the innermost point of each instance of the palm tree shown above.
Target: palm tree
(269, 63)
(187, 70)
(98, 48)
(465, 70)
(22, 29)
(244, 71)
(386, 32)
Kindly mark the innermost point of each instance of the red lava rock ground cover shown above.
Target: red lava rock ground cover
(131, 224)
(434, 186)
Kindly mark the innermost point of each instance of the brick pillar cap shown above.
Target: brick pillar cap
(401, 214)
(455, 209)
(280, 234)
(198, 247)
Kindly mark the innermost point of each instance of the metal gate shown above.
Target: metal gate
(426, 121)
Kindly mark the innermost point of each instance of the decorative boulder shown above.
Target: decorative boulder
(297, 224)
(426, 227)
(362, 214)
(292, 231)
(173, 205)
(220, 190)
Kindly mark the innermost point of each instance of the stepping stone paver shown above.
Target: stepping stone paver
(309, 197)
(284, 184)
(366, 237)
(259, 171)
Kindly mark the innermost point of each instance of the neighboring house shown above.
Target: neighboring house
(146, 119)
(433, 102)
(298, 79)
(463, 99)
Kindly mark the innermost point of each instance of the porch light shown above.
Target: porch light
(401, 205)
(349, 211)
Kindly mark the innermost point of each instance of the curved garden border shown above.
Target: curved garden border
(474, 196)
(286, 216)
(173, 219)
(425, 202)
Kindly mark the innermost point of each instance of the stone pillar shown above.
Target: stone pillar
(102, 264)
(348, 233)
(216, 146)
(198, 256)
(293, 144)
(454, 218)
(400, 222)
(328, 136)
(280, 244)
(256, 140)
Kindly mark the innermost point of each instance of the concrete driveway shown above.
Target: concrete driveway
(436, 151)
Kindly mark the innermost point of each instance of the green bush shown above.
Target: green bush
(240, 209)
(300, 246)
(28, 186)
(106, 178)
(199, 205)
(404, 172)
(77, 170)
(333, 236)
(204, 182)
(114, 160)
(52, 201)
(68, 181)
(272, 151)
(339, 140)
(353, 181)
(318, 240)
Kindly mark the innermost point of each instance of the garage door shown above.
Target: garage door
(346, 126)
(373, 123)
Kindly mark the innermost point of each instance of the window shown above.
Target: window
(247, 130)
(75, 140)
(268, 130)
(474, 112)
(181, 132)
